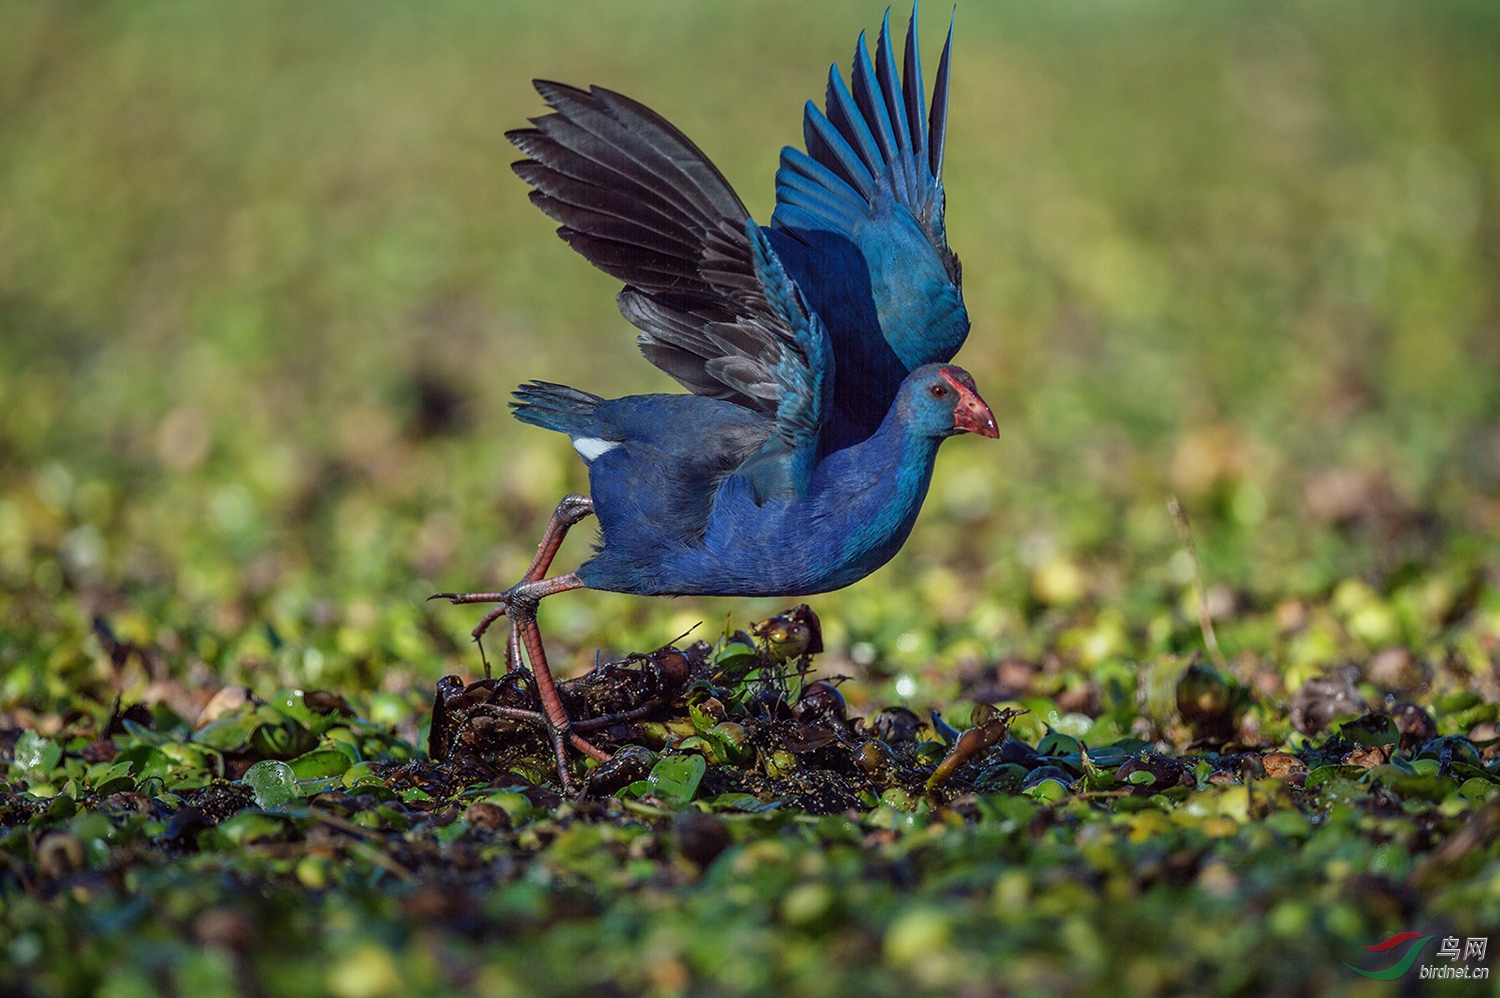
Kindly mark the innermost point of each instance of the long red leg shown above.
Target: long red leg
(523, 605)
(569, 511)
(519, 603)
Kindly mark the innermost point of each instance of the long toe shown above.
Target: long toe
(588, 748)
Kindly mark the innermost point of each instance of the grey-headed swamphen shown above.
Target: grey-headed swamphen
(814, 349)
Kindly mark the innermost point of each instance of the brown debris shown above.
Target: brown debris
(1368, 756)
(990, 728)
(1323, 699)
(1414, 723)
(1283, 765)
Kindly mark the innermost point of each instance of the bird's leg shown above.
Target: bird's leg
(569, 511)
(523, 600)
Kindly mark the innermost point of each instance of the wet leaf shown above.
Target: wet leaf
(1371, 729)
(318, 764)
(272, 782)
(35, 756)
(675, 778)
(231, 731)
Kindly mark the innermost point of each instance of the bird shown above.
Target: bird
(815, 350)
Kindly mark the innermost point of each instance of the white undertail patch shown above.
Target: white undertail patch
(589, 448)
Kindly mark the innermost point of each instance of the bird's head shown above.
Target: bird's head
(941, 400)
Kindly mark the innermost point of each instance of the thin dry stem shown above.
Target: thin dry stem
(1205, 623)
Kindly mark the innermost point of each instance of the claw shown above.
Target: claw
(518, 603)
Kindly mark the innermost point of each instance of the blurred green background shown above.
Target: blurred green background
(266, 282)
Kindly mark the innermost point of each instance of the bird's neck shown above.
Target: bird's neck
(895, 455)
(873, 491)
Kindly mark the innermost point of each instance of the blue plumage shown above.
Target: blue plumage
(815, 349)
(859, 225)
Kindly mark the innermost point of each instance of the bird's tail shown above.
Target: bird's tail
(556, 407)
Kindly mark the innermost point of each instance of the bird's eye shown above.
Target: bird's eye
(938, 391)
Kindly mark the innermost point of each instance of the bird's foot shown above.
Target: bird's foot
(560, 740)
(566, 736)
(519, 604)
(512, 654)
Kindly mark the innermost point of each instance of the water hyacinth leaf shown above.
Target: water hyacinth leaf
(151, 764)
(114, 786)
(743, 802)
(284, 739)
(272, 782)
(1056, 744)
(697, 743)
(1048, 790)
(1370, 729)
(735, 741)
(1477, 789)
(1096, 777)
(319, 764)
(734, 657)
(1464, 771)
(103, 772)
(1323, 774)
(675, 777)
(249, 827)
(1428, 787)
(293, 704)
(1448, 749)
(142, 733)
(231, 731)
(36, 756)
(186, 758)
(1112, 755)
(375, 791)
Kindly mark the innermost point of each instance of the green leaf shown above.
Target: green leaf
(947, 732)
(319, 764)
(252, 826)
(142, 733)
(231, 731)
(36, 756)
(1476, 789)
(1371, 729)
(742, 802)
(273, 783)
(1323, 774)
(284, 740)
(1049, 790)
(675, 777)
(1056, 744)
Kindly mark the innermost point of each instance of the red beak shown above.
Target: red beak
(971, 415)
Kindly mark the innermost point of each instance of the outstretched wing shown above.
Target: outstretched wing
(802, 370)
(872, 175)
(716, 309)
